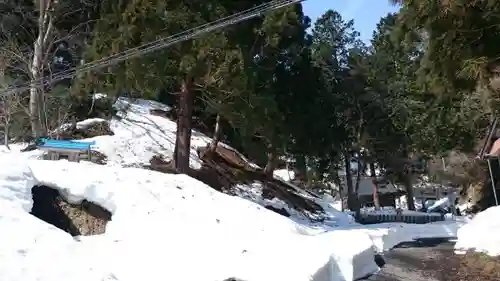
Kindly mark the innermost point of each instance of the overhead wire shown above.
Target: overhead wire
(158, 44)
(153, 46)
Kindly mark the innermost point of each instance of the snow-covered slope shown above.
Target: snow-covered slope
(140, 135)
(164, 227)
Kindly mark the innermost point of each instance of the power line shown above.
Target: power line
(155, 45)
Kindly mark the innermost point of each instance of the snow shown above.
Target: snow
(445, 202)
(139, 135)
(386, 236)
(200, 233)
(174, 216)
(402, 203)
(332, 213)
(464, 207)
(99, 96)
(332, 202)
(481, 234)
(284, 174)
(82, 125)
(394, 211)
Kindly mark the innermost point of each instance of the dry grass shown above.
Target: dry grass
(470, 267)
(88, 218)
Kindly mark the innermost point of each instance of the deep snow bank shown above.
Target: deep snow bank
(199, 233)
(481, 234)
(386, 236)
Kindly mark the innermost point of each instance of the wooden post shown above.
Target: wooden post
(53, 155)
(493, 182)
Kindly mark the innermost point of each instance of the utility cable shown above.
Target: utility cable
(153, 46)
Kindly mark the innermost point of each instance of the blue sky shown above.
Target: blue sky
(365, 13)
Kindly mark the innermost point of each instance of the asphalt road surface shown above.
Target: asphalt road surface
(416, 261)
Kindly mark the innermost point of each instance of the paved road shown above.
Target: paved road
(416, 261)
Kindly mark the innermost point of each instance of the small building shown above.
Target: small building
(387, 192)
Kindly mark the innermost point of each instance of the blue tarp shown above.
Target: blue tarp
(64, 144)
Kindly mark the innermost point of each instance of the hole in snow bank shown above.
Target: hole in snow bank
(85, 218)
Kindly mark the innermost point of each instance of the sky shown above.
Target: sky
(365, 13)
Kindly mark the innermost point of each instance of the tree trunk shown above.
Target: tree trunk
(45, 26)
(409, 188)
(350, 188)
(271, 162)
(376, 201)
(6, 133)
(216, 137)
(356, 191)
(6, 105)
(34, 103)
(338, 182)
(184, 123)
(44, 122)
(301, 168)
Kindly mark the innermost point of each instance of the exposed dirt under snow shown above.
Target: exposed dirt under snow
(85, 218)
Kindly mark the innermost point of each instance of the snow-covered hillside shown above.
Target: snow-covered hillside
(139, 135)
(173, 227)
